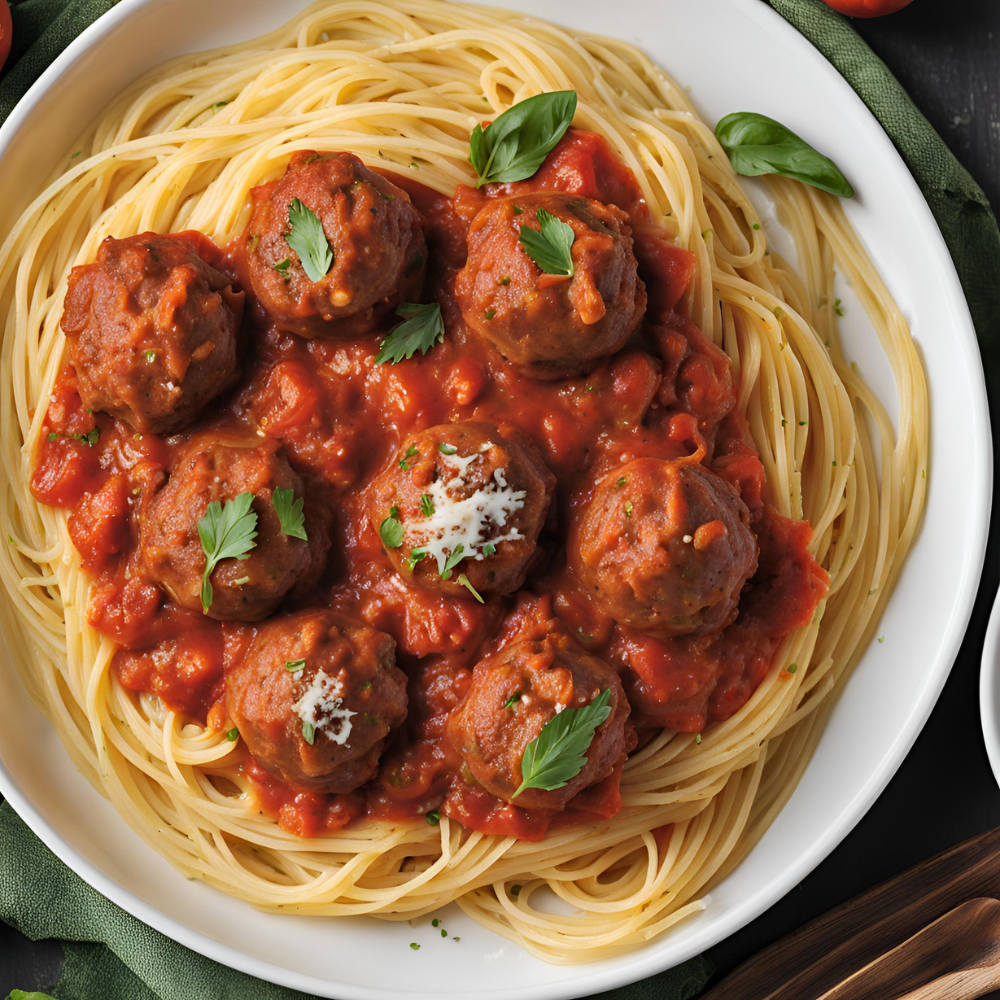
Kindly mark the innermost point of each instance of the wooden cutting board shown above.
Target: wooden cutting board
(932, 933)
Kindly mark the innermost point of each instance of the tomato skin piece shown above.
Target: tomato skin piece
(867, 8)
(6, 32)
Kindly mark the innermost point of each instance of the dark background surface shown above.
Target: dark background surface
(947, 56)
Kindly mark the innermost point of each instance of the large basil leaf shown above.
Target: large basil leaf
(756, 144)
(513, 146)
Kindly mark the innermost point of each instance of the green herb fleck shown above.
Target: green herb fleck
(391, 531)
(295, 666)
(434, 817)
(309, 733)
(447, 449)
(489, 549)
(233, 735)
(464, 581)
(512, 700)
(454, 558)
(426, 505)
(837, 307)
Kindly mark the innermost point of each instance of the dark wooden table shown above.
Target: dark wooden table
(948, 58)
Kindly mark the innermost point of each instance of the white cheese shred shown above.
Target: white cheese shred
(322, 706)
(468, 521)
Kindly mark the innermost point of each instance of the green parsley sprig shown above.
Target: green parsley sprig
(421, 329)
(227, 531)
(307, 238)
(550, 246)
(558, 753)
(290, 514)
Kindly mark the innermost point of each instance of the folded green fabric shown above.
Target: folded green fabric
(111, 955)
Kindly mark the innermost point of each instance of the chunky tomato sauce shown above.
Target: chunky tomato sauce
(341, 417)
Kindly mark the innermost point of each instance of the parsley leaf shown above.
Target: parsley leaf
(309, 733)
(227, 531)
(421, 329)
(309, 241)
(447, 449)
(426, 505)
(464, 581)
(391, 530)
(550, 248)
(454, 558)
(756, 144)
(93, 435)
(289, 511)
(514, 145)
(416, 556)
(557, 754)
(295, 666)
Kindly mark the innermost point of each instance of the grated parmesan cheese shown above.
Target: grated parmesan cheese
(322, 704)
(467, 521)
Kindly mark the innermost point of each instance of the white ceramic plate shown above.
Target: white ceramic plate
(735, 55)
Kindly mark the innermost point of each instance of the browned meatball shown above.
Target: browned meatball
(315, 698)
(665, 547)
(246, 589)
(466, 499)
(513, 694)
(152, 330)
(551, 326)
(372, 231)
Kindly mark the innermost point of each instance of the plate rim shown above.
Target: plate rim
(641, 963)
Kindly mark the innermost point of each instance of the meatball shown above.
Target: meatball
(315, 698)
(373, 235)
(517, 691)
(551, 326)
(665, 547)
(172, 550)
(152, 330)
(460, 507)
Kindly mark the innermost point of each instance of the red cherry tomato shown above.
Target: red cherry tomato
(867, 8)
(5, 31)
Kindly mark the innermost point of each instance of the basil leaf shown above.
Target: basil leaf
(558, 753)
(290, 514)
(422, 329)
(550, 246)
(756, 144)
(227, 531)
(309, 241)
(514, 145)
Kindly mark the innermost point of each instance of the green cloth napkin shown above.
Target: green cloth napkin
(111, 955)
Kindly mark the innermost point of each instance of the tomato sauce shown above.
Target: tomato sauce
(340, 417)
